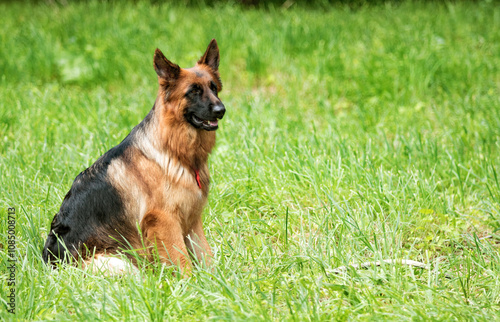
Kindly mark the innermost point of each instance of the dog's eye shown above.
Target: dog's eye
(195, 90)
(213, 87)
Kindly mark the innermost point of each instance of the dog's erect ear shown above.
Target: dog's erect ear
(164, 67)
(211, 56)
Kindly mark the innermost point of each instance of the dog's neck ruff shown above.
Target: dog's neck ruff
(197, 172)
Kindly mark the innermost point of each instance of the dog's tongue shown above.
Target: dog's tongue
(211, 123)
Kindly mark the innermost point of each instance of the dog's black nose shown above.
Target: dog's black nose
(219, 110)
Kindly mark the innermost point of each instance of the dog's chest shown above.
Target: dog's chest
(147, 186)
(186, 201)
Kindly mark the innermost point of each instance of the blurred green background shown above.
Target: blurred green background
(354, 132)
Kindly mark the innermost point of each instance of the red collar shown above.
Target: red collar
(197, 172)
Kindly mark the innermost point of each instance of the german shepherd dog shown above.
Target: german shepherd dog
(148, 192)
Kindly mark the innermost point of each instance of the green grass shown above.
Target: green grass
(350, 136)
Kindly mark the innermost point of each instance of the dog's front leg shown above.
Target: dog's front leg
(197, 243)
(162, 230)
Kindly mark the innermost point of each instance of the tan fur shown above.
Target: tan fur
(148, 191)
(157, 182)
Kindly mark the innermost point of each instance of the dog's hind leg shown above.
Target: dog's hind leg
(110, 265)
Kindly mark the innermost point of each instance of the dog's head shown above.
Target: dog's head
(193, 91)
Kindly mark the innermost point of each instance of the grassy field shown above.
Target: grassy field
(351, 135)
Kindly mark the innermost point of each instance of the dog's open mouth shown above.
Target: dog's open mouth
(206, 124)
